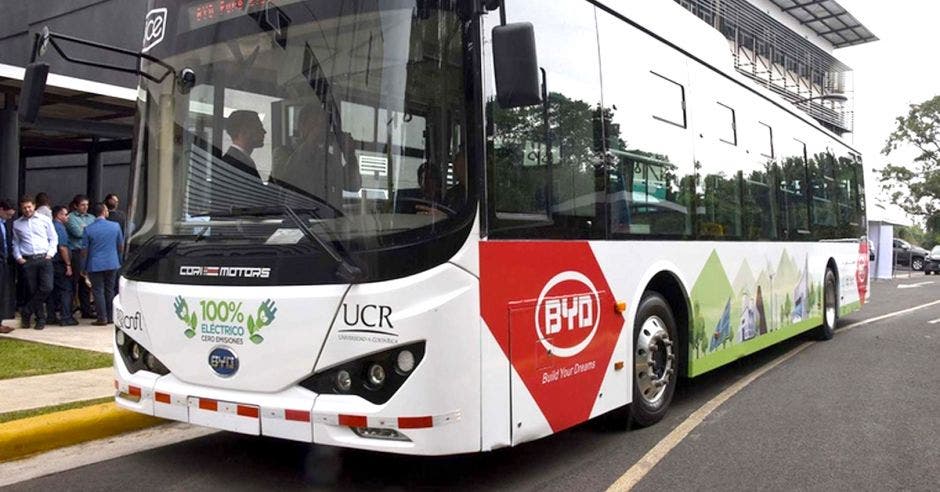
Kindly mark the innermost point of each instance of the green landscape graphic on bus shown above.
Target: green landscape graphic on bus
(759, 306)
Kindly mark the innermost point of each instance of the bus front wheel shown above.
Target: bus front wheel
(655, 360)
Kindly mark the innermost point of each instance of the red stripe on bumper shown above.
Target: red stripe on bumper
(415, 422)
(297, 415)
(206, 404)
(162, 398)
(353, 421)
(133, 390)
(246, 411)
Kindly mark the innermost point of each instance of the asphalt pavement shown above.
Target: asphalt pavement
(858, 412)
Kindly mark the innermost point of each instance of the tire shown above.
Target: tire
(655, 361)
(917, 264)
(830, 307)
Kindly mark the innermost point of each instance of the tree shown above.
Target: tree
(916, 188)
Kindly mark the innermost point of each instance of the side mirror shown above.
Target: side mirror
(516, 66)
(34, 85)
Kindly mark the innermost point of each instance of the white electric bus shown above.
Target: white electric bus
(447, 226)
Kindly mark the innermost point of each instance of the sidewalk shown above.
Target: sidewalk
(64, 387)
(55, 389)
(84, 336)
(24, 437)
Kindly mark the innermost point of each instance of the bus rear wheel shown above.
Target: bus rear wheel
(830, 307)
(655, 360)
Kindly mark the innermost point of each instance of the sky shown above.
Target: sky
(890, 74)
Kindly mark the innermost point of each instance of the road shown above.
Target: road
(859, 412)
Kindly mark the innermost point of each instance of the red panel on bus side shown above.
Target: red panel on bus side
(550, 308)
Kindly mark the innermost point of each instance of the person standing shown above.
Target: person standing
(43, 205)
(104, 244)
(34, 245)
(79, 219)
(62, 268)
(6, 263)
(115, 215)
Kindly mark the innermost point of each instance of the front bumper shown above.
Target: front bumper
(931, 266)
(295, 414)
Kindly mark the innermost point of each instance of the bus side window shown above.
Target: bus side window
(649, 163)
(759, 189)
(822, 175)
(793, 206)
(544, 159)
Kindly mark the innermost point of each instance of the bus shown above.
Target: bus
(447, 226)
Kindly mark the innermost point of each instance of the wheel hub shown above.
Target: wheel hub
(654, 360)
(830, 301)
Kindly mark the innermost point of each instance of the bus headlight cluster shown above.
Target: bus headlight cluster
(136, 357)
(375, 377)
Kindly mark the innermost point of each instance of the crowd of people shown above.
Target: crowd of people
(58, 261)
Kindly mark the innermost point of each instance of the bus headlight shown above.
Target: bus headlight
(343, 381)
(405, 361)
(136, 357)
(375, 377)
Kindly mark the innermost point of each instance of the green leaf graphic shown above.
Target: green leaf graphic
(190, 333)
(251, 326)
(256, 339)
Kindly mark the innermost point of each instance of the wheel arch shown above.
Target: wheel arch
(668, 284)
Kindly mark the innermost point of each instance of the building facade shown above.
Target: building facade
(82, 141)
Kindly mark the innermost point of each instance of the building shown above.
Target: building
(788, 46)
(83, 138)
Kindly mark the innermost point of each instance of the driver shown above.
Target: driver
(432, 193)
(247, 133)
(324, 163)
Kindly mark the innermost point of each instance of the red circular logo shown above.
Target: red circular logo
(567, 314)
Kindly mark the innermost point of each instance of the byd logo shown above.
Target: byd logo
(567, 314)
(154, 28)
(223, 361)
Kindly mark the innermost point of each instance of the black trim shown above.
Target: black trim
(323, 382)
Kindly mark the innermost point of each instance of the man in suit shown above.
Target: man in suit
(115, 215)
(104, 245)
(247, 133)
(6, 265)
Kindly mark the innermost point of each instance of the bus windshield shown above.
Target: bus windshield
(293, 132)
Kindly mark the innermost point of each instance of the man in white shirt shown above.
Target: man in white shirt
(34, 244)
(43, 205)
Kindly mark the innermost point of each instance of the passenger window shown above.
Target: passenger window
(546, 160)
(650, 175)
(766, 140)
(668, 97)
(727, 124)
(793, 206)
(823, 189)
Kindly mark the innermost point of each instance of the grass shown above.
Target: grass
(23, 359)
(22, 414)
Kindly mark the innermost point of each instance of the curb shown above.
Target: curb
(24, 437)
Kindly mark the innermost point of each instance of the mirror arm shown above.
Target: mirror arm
(51, 37)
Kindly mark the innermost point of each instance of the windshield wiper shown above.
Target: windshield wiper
(345, 269)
